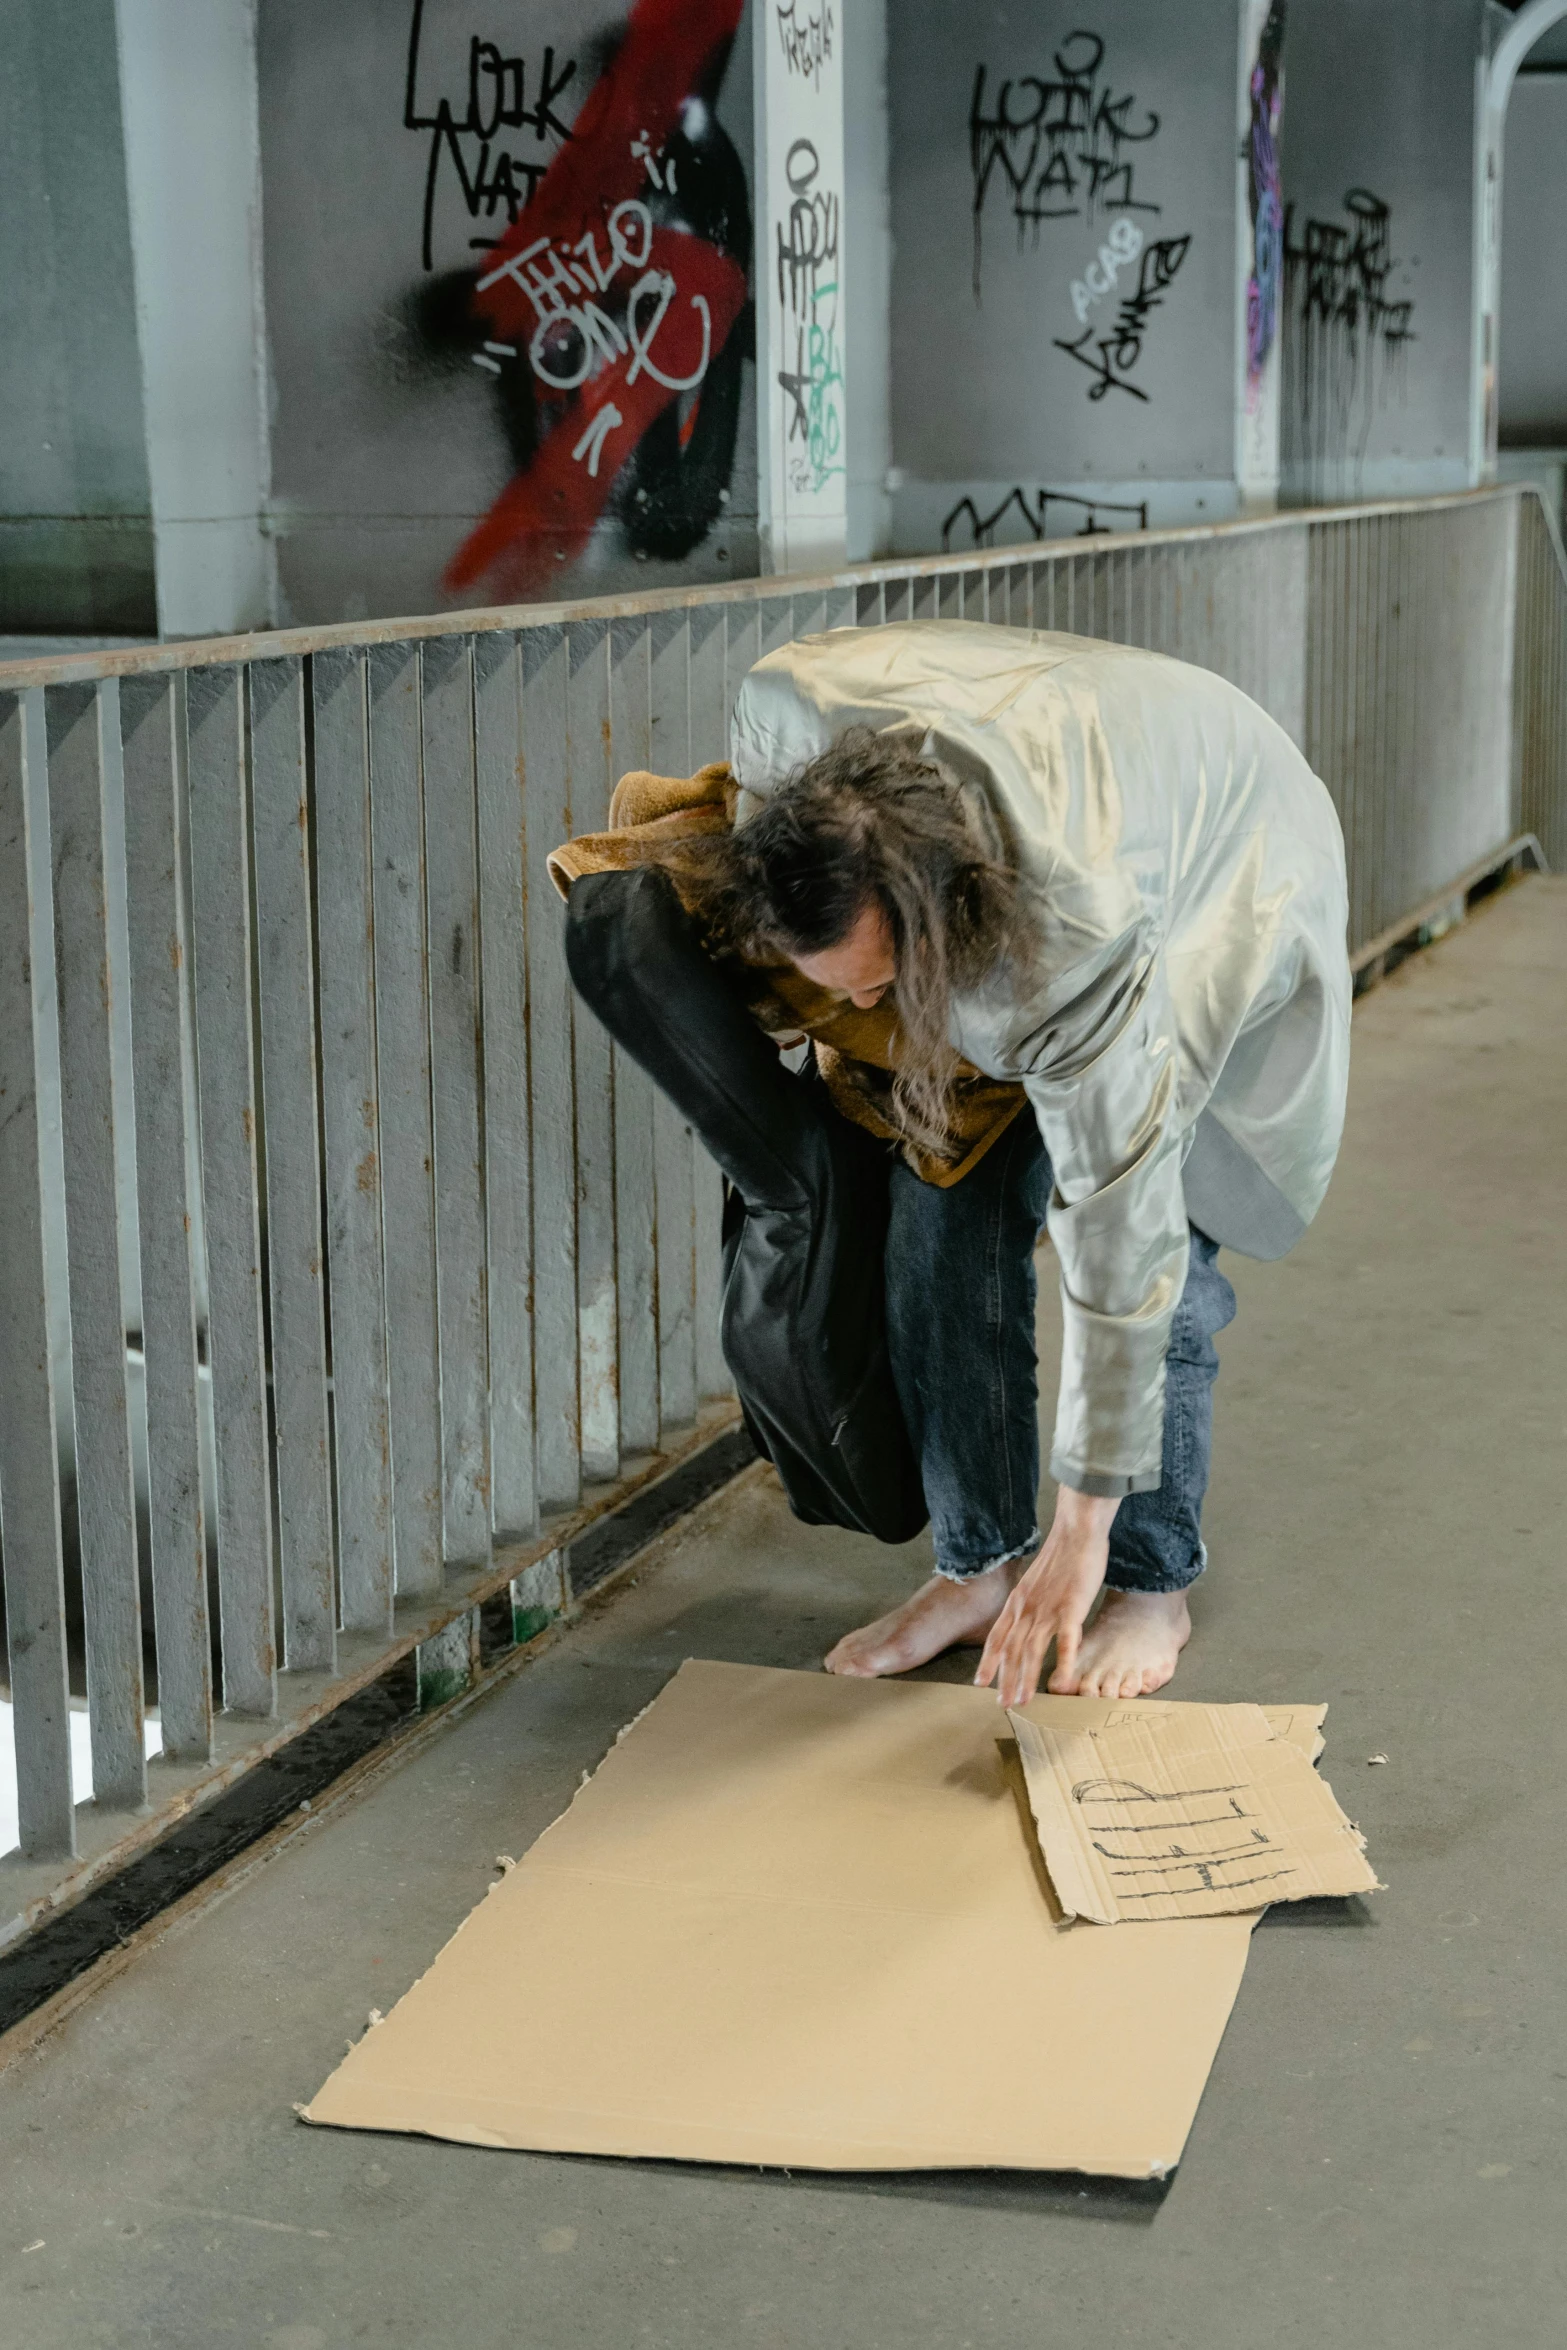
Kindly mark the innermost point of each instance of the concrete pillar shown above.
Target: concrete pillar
(76, 550)
(801, 314)
(1507, 45)
(867, 238)
(193, 173)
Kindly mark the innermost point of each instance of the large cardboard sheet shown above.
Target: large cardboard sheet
(803, 1921)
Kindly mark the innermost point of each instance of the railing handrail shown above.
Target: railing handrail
(157, 658)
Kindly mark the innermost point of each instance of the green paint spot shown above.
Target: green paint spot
(441, 1686)
(528, 1622)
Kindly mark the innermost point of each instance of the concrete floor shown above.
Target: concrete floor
(1377, 2159)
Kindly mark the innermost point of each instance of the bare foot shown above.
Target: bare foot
(1131, 1647)
(942, 1614)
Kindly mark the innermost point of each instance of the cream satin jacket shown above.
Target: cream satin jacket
(1184, 1036)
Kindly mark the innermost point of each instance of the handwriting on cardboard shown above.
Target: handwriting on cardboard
(1196, 1812)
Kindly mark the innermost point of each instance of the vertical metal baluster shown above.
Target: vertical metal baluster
(587, 740)
(1336, 636)
(551, 1019)
(1405, 631)
(707, 630)
(838, 608)
(154, 858)
(895, 599)
(29, 1462)
(1288, 688)
(1355, 626)
(285, 956)
(508, 1143)
(351, 1132)
(808, 613)
(774, 626)
(674, 1146)
(636, 1271)
(742, 649)
(452, 886)
(106, 1510)
(402, 1020)
(1373, 646)
(708, 717)
(225, 1064)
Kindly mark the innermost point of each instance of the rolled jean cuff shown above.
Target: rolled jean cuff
(965, 1570)
(1104, 1485)
(1125, 1575)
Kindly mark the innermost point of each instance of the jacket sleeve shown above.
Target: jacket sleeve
(1101, 1075)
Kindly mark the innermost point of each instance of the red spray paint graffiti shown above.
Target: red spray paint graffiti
(602, 289)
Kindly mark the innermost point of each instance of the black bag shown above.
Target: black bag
(805, 1220)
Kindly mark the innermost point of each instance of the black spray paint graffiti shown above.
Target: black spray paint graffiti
(1036, 518)
(1057, 143)
(808, 294)
(493, 180)
(1346, 339)
(1111, 358)
(644, 167)
(806, 40)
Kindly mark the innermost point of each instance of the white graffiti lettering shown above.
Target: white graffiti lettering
(1119, 250)
(591, 445)
(574, 334)
(661, 286)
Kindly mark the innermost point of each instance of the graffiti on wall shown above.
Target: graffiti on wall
(806, 37)
(1055, 146)
(491, 154)
(1347, 336)
(1036, 515)
(811, 378)
(609, 308)
(1112, 359)
(1066, 145)
(1265, 200)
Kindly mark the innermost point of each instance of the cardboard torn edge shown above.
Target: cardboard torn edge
(503, 1864)
(1056, 1764)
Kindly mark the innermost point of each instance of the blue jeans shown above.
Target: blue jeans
(960, 1320)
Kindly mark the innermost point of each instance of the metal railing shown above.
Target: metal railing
(357, 1257)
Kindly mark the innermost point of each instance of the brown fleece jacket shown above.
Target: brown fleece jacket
(855, 1051)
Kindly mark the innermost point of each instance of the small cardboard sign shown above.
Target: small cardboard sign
(1194, 1811)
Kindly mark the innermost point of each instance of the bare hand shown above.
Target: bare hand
(1050, 1601)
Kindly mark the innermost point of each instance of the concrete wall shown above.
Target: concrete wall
(394, 432)
(1533, 340)
(1378, 159)
(76, 548)
(1096, 158)
(868, 238)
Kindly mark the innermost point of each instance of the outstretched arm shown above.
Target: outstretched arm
(1051, 1600)
(1101, 1078)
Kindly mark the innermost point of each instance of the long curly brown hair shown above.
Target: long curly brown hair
(872, 821)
